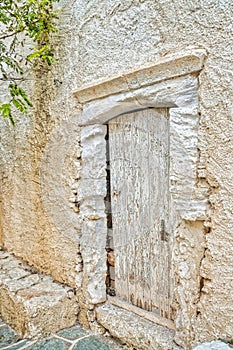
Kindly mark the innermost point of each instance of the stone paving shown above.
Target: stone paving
(76, 338)
(73, 338)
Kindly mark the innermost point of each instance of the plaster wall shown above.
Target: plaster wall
(41, 157)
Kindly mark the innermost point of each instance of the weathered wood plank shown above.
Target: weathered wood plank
(118, 183)
(139, 162)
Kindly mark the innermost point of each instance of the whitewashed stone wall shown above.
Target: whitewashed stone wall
(41, 159)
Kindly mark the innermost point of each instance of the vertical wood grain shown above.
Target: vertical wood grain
(139, 163)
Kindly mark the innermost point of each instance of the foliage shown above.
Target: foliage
(20, 20)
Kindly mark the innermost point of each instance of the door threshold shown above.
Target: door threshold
(150, 316)
(134, 330)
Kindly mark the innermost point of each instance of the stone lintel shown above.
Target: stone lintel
(167, 67)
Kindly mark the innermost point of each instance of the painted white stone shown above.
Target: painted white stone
(108, 39)
(180, 96)
(172, 93)
(170, 66)
(213, 345)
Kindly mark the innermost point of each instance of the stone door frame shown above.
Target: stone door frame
(171, 82)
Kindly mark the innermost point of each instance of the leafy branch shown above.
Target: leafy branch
(20, 20)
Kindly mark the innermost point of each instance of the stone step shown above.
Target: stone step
(134, 330)
(32, 303)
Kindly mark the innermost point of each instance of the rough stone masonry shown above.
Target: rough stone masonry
(41, 159)
(33, 303)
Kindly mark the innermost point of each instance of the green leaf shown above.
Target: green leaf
(5, 110)
(23, 94)
(20, 19)
(19, 105)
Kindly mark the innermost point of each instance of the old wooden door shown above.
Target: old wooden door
(139, 169)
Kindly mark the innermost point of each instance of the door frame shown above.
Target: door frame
(171, 82)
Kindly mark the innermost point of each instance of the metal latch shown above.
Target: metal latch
(163, 234)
